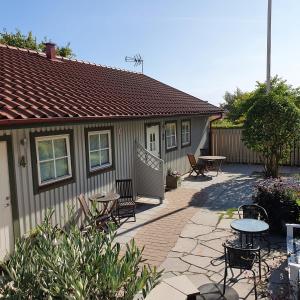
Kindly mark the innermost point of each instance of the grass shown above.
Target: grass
(228, 214)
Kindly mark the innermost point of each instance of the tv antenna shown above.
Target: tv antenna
(137, 60)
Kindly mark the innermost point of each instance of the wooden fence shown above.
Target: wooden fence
(228, 142)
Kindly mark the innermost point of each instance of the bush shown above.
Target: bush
(53, 264)
(279, 199)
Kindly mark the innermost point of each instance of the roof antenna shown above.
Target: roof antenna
(137, 60)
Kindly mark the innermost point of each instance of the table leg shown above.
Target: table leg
(219, 167)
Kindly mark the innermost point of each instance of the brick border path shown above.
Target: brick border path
(159, 235)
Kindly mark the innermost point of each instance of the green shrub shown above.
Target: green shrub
(53, 264)
(280, 199)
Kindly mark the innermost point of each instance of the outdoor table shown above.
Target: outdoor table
(250, 227)
(108, 204)
(214, 158)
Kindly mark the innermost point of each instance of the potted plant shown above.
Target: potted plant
(173, 179)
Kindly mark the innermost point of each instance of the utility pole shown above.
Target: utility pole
(268, 81)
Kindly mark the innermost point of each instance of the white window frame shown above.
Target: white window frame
(186, 132)
(99, 132)
(168, 136)
(52, 138)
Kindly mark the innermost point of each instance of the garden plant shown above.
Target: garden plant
(52, 263)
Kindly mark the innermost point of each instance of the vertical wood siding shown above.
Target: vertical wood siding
(228, 142)
(32, 208)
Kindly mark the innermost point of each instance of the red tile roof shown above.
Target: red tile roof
(34, 89)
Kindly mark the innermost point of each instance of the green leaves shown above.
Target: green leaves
(53, 264)
(271, 127)
(18, 39)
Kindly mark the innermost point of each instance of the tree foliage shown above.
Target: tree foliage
(272, 123)
(28, 41)
(238, 103)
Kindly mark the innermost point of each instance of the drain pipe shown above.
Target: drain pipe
(220, 116)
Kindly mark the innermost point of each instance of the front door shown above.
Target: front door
(6, 223)
(152, 136)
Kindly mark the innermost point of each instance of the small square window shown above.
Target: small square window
(53, 158)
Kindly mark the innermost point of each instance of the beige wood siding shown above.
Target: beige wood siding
(228, 142)
(32, 208)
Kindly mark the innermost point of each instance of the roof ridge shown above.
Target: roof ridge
(70, 59)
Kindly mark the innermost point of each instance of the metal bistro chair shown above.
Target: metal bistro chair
(98, 220)
(126, 204)
(242, 259)
(195, 167)
(254, 211)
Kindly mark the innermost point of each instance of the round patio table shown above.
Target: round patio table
(214, 291)
(109, 202)
(250, 227)
(214, 158)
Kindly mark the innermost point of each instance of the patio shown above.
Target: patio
(184, 235)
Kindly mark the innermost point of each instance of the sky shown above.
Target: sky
(203, 47)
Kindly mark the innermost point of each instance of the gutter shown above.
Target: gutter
(37, 122)
(210, 134)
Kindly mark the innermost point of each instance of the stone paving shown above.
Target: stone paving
(184, 234)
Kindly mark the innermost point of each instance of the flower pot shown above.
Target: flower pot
(172, 182)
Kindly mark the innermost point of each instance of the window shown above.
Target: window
(185, 133)
(171, 138)
(152, 142)
(100, 150)
(53, 158)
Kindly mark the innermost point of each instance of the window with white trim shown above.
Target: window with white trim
(53, 158)
(185, 133)
(100, 149)
(171, 136)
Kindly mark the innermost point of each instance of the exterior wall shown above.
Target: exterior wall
(32, 208)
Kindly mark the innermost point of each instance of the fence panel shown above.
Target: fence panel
(228, 142)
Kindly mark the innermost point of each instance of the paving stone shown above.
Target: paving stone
(224, 223)
(244, 290)
(215, 235)
(194, 230)
(209, 219)
(174, 265)
(175, 254)
(198, 261)
(199, 279)
(185, 245)
(202, 250)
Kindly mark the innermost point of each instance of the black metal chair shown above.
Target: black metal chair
(254, 211)
(242, 259)
(126, 204)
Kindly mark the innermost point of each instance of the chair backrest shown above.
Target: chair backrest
(204, 151)
(239, 258)
(84, 205)
(192, 159)
(252, 211)
(124, 188)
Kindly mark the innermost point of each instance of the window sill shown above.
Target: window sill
(186, 145)
(171, 149)
(54, 185)
(100, 171)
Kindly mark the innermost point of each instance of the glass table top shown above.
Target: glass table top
(249, 225)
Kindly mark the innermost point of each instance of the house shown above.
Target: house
(69, 127)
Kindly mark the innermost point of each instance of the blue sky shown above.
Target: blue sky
(203, 47)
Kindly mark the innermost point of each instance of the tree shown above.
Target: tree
(20, 40)
(238, 103)
(272, 124)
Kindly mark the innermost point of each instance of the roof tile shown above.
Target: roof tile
(36, 89)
